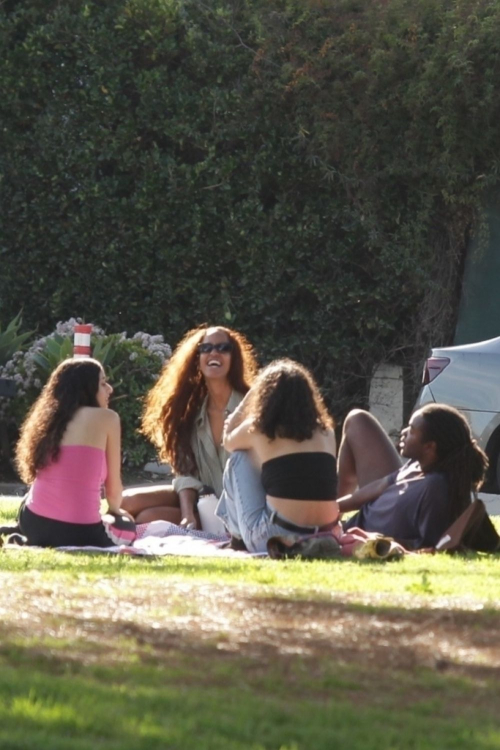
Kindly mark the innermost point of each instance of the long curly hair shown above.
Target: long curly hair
(172, 404)
(458, 454)
(286, 402)
(74, 383)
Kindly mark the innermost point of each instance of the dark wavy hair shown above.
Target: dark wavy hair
(458, 454)
(286, 402)
(173, 403)
(72, 384)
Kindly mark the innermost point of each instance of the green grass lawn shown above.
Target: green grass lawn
(114, 652)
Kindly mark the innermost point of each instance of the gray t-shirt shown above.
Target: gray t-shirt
(415, 509)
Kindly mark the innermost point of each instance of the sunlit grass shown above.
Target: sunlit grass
(112, 652)
(472, 579)
(8, 510)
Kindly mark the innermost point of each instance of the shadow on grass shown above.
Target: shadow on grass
(221, 670)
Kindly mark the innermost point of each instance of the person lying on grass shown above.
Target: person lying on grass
(69, 447)
(416, 502)
(281, 477)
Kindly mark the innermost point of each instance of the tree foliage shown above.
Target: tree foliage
(307, 171)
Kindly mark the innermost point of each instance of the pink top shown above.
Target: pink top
(69, 489)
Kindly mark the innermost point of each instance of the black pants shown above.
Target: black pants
(45, 532)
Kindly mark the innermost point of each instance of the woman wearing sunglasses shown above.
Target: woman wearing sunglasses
(204, 381)
(282, 476)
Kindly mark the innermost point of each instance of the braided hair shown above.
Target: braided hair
(457, 453)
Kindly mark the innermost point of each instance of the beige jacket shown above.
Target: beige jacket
(210, 458)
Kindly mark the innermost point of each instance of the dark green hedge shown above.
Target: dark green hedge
(306, 171)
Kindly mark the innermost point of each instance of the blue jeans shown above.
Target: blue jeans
(242, 505)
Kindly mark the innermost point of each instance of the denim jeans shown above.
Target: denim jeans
(242, 505)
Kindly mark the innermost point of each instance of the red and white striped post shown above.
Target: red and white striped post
(81, 341)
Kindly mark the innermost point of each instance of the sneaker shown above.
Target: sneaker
(17, 540)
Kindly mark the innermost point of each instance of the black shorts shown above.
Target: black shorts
(46, 532)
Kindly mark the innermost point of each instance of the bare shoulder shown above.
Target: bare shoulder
(110, 415)
(98, 416)
(110, 418)
(92, 426)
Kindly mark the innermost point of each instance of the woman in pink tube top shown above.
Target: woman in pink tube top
(68, 450)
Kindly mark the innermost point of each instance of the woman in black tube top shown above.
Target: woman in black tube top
(281, 477)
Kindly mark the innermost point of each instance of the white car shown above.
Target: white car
(468, 377)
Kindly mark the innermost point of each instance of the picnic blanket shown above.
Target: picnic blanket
(164, 538)
(160, 538)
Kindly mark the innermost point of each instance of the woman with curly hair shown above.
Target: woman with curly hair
(281, 478)
(69, 447)
(203, 382)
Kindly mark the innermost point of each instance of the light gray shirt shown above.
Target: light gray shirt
(209, 457)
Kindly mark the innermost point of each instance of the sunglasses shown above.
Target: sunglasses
(225, 348)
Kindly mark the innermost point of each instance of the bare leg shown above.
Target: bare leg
(156, 502)
(159, 513)
(366, 452)
(135, 500)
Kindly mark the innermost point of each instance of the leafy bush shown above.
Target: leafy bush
(11, 340)
(308, 171)
(132, 366)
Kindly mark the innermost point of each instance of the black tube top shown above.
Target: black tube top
(301, 476)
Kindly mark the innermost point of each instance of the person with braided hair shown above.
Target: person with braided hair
(416, 502)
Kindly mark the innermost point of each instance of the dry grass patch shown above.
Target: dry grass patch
(92, 621)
